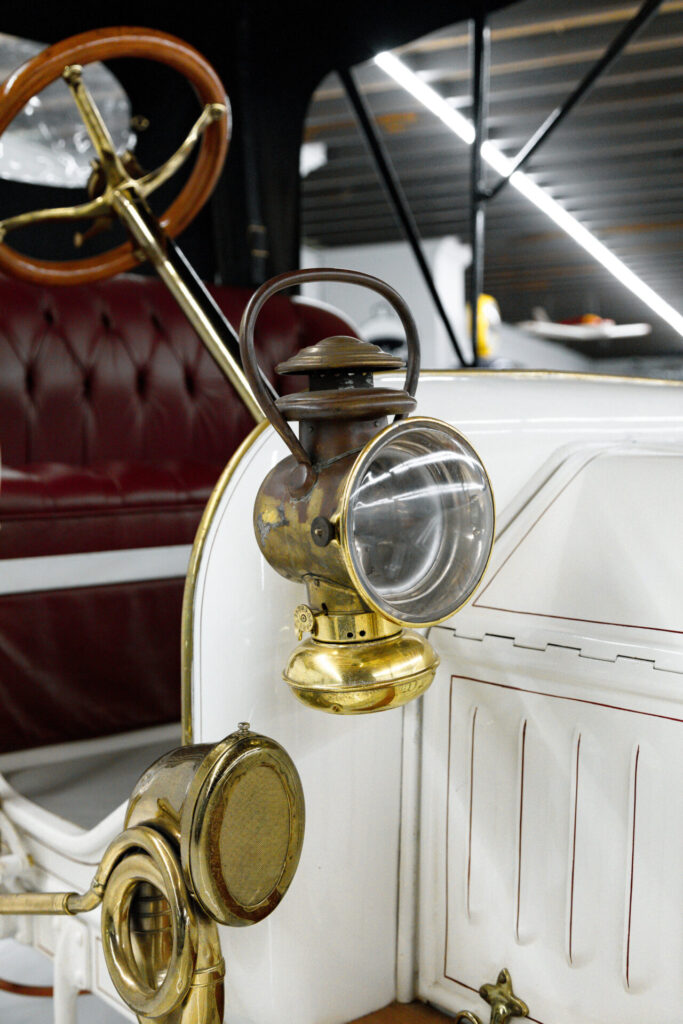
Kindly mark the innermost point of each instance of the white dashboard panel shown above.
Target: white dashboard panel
(552, 824)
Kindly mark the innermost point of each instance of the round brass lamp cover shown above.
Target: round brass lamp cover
(242, 828)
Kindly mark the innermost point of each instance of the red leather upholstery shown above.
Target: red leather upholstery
(48, 508)
(114, 426)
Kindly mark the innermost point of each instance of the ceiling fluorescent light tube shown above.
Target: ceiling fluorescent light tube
(500, 163)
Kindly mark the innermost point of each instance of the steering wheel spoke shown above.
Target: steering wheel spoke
(93, 208)
(149, 182)
(100, 136)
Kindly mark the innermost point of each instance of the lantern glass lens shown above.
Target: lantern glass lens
(420, 522)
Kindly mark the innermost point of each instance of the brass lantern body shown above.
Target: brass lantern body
(357, 659)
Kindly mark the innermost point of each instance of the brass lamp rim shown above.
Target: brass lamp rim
(377, 441)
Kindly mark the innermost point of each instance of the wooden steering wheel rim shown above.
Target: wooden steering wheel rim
(106, 44)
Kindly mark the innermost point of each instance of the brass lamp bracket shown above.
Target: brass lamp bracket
(344, 627)
(502, 1000)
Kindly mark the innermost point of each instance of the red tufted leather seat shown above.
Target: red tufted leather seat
(114, 426)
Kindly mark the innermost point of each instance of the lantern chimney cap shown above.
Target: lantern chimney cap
(340, 353)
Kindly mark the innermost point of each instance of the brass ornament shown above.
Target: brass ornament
(304, 620)
(502, 1000)
(356, 660)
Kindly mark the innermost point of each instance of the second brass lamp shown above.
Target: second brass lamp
(388, 525)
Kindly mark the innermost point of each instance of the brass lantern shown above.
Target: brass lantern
(388, 525)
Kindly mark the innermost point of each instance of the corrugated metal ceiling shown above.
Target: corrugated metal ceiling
(615, 163)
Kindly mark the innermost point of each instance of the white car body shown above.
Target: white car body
(527, 813)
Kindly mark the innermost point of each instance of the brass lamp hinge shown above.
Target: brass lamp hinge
(502, 1000)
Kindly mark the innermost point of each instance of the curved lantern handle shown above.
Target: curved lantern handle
(289, 280)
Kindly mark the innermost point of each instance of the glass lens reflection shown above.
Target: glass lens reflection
(420, 523)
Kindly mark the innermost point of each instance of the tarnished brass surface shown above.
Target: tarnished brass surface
(343, 612)
(277, 284)
(242, 828)
(357, 659)
(283, 521)
(502, 1000)
(356, 403)
(237, 812)
(357, 678)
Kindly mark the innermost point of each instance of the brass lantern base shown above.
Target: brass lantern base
(358, 678)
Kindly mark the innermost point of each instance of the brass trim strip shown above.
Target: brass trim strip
(187, 624)
(602, 378)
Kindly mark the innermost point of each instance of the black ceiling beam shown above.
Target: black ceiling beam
(647, 11)
(397, 199)
(480, 86)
